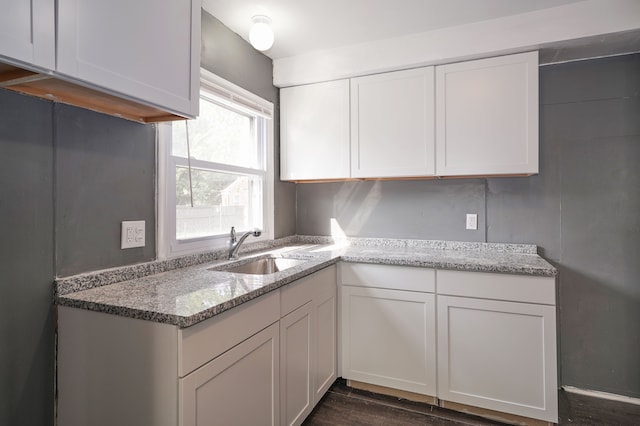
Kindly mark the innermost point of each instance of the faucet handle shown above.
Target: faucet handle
(232, 234)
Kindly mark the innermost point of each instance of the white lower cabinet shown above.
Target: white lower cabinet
(325, 329)
(308, 364)
(296, 398)
(239, 387)
(388, 334)
(265, 362)
(495, 338)
(498, 354)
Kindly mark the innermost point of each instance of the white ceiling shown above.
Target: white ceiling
(303, 26)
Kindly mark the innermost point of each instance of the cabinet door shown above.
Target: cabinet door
(27, 32)
(240, 387)
(296, 352)
(498, 355)
(325, 338)
(487, 116)
(392, 124)
(315, 131)
(388, 338)
(145, 50)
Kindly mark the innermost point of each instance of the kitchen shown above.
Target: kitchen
(71, 171)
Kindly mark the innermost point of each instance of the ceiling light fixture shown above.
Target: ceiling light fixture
(261, 34)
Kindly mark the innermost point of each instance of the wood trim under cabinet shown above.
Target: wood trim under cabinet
(407, 178)
(511, 419)
(411, 396)
(48, 87)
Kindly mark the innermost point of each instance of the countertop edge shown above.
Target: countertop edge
(187, 321)
(513, 260)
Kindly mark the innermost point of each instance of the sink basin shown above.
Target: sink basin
(264, 266)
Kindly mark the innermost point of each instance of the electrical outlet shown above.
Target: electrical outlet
(472, 221)
(132, 234)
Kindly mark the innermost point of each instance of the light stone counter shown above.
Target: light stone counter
(189, 289)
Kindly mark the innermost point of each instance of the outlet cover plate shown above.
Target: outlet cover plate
(132, 234)
(472, 221)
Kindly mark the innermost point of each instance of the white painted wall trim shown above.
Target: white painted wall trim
(602, 395)
(512, 34)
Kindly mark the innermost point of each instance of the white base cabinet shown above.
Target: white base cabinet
(265, 362)
(308, 348)
(498, 354)
(388, 334)
(495, 336)
(240, 387)
(296, 399)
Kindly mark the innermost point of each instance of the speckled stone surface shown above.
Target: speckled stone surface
(190, 289)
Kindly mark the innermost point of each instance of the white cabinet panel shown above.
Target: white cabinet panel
(106, 361)
(498, 355)
(240, 387)
(296, 365)
(315, 131)
(325, 337)
(309, 302)
(388, 338)
(388, 276)
(206, 340)
(487, 116)
(146, 50)
(485, 285)
(27, 32)
(392, 124)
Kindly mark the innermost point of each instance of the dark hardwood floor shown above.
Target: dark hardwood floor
(344, 406)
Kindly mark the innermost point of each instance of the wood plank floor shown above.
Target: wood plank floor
(344, 406)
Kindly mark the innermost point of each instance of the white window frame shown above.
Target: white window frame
(226, 94)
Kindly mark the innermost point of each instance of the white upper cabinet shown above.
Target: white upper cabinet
(476, 118)
(27, 32)
(392, 124)
(144, 50)
(314, 138)
(487, 116)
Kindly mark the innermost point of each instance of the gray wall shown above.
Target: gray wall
(227, 55)
(68, 177)
(26, 261)
(423, 209)
(582, 210)
(104, 174)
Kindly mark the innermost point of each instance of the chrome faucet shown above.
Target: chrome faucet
(234, 243)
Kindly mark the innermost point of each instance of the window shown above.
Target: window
(216, 171)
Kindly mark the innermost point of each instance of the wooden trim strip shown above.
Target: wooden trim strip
(411, 396)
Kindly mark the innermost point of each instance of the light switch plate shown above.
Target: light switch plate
(132, 234)
(472, 221)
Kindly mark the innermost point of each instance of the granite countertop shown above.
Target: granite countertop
(170, 292)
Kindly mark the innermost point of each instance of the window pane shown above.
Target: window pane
(218, 135)
(220, 201)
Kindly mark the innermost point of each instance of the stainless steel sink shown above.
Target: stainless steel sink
(264, 266)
